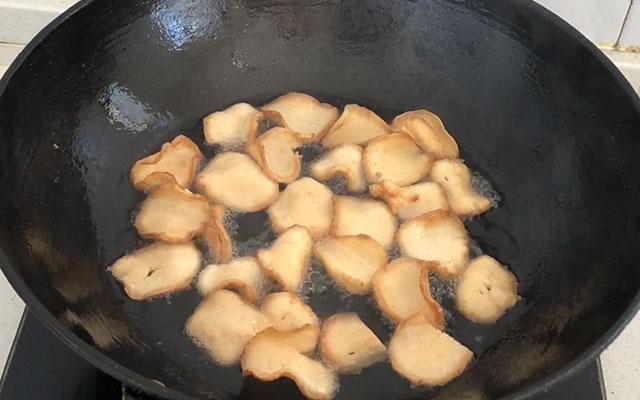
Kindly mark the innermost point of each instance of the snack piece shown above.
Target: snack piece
(356, 125)
(287, 259)
(395, 158)
(486, 290)
(428, 131)
(344, 160)
(305, 202)
(425, 355)
(286, 311)
(303, 114)
(351, 260)
(157, 270)
(275, 152)
(273, 354)
(232, 127)
(411, 201)
(454, 177)
(401, 289)
(242, 274)
(223, 323)
(216, 236)
(234, 180)
(348, 345)
(436, 236)
(176, 162)
(360, 216)
(172, 214)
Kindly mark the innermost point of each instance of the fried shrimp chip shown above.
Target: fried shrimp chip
(351, 261)
(436, 236)
(411, 201)
(401, 289)
(395, 158)
(273, 354)
(275, 152)
(223, 323)
(425, 355)
(348, 345)
(354, 216)
(356, 125)
(172, 214)
(454, 177)
(344, 160)
(157, 270)
(287, 259)
(428, 131)
(176, 162)
(231, 127)
(242, 274)
(303, 114)
(486, 291)
(305, 202)
(286, 311)
(216, 236)
(237, 182)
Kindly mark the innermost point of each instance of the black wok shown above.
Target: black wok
(534, 106)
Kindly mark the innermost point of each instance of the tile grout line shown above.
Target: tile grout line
(624, 23)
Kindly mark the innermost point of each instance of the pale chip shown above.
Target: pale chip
(411, 201)
(395, 158)
(287, 259)
(354, 216)
(286, 311)
(217, 237)
(232, 127)
(428, 131)
(356, 125)
(344, 160)
(275, 152)
(455, 178)
(242, 274)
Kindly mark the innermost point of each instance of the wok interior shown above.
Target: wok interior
(532, 109)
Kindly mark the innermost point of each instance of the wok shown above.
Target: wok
(535, 107)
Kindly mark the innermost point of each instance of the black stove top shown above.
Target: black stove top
(40, 366)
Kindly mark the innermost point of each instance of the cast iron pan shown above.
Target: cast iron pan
(534, 106)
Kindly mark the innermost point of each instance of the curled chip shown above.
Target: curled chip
(286, 261)
(359, 216)
(232, 127)
(486, 290)
(273, 354)
(454, 177)
(223, 323)
(436, 236)
(395, 158)
(242, 274)
(176, 162)
(216, 236)
(172, 214)
(286, 311)
(425, 355)
(234, 180)
(303, 114)
(344, 160)
(428, 131)
(351, 261)
(348, 345)
(275, 152)
(401, 289)
(157, 270)
(356, 125)
(305, 202)
(411, 201)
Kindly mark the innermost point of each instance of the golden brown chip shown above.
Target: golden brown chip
(401, 289)
(454, 177)
(242, 274)
(176, 162)
(304, 115)
(351, 260)
(287, 259)
(354, 216)
(305, 202)
(172, 214)
(486, 290)
(216, 236)
(286, 311)
(236, 181)
(436, 236)
(232, 127)
(428, 131)
(356, 125)
(411, 201)
(395, 158)
(348, 345)
(425, 355)
(275, 152)
(344, 160)
(157, 270)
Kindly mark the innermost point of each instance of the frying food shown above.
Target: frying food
(428, 131)
(357, 125)
(395, 158)
(354, 216)
(216, 235)
(242, 274)
(231, 128)
(275, 152)
(454, 177)
(411, 201)
(286, 311)
(344, 160)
